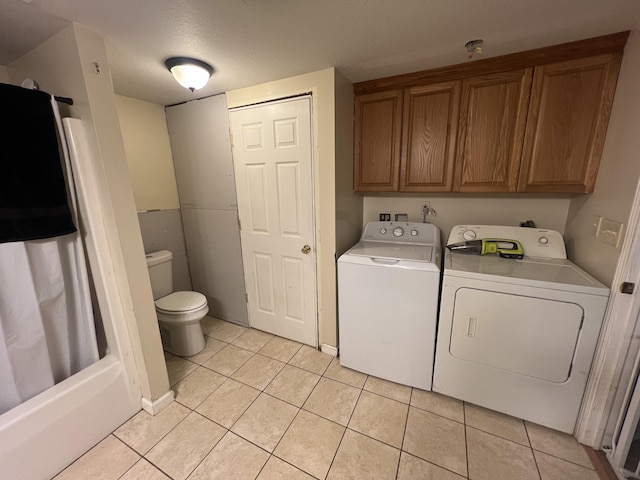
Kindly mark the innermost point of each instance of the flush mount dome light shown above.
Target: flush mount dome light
(189, 72)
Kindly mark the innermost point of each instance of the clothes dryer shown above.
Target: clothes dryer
(518, 335)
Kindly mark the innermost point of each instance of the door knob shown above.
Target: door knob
(306, 249)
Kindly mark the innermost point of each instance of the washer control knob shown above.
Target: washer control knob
(383, 231)
(414, 233)
(543, 241)
(469, 235)
(398, 232)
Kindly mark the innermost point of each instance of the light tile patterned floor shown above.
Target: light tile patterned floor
(254, 406)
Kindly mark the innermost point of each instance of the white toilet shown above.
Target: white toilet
(179, 313)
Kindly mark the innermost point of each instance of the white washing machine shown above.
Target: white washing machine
(388, 287)
(518, 336)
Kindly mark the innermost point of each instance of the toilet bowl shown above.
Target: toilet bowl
(179, 313)
(179, 316)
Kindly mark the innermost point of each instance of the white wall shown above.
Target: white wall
(149, 157)
(349, 205)
(322, 86)
(4, 74)
(146, 142)
(460, 209)
(617, 177)
(63, 65)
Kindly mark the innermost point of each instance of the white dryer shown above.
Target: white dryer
(518, 336)
(388, 287)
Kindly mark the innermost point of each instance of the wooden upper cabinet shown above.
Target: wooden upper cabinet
(531, 121)
(570, 106)
(429, 129)
(493, 114)
(378, 121)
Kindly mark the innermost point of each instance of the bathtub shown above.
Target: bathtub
(43, 435)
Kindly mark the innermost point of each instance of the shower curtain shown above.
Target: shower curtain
(47, 330)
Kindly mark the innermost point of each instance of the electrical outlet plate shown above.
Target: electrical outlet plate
(609, 232)
(424, 205)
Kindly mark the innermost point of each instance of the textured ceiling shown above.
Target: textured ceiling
(254, 41)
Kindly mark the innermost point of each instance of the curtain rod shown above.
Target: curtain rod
(31, 84)
(67, 100)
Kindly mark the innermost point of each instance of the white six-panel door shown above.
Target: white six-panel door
(272, 156)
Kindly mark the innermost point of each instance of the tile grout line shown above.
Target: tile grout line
(362, 389)
(252, 386)
(252, 443)
(499, 436)
(431, 462)
(502, 437)
(466, 442)
(212, 448)
(243, 364)
(401, 450)
(563, 459)
(535, 460)
(127, 470)
(171, 430)
(335, 454)
(323, 375)
(404, 433)
(205, 398)
(228, 430)
(346, 427)
(94, 446)
(183, 378)
(289, 403)
(312, 413)
(279, 441)
(519, 445)
(161, 470)
(162, 438)
(262, 391)
(439, 414)
(320, 416)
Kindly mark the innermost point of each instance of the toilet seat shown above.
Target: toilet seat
(182, 318)
(180, 302)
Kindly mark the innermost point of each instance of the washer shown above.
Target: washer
(388, 287)
(518, 336)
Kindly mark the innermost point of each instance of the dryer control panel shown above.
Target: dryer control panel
(536, 242)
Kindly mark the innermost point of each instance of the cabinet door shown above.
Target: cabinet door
(492, 122)
(429, 128)
(568, 116)
(378, 118)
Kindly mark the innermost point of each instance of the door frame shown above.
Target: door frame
(316, 234)
(611, 372)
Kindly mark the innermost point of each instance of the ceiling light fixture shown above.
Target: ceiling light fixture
(189, 72)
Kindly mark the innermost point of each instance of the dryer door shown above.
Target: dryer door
(525, 335)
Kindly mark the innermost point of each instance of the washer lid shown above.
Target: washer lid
(557, 274)
(393, 251)
(181, 302)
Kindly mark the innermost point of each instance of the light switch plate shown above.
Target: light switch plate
(609, 231)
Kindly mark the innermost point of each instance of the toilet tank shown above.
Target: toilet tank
(160, 269)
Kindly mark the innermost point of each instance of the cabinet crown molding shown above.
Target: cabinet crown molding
(612, 43)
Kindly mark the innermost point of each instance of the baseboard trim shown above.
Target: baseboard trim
(156, 406)
(329, 349)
